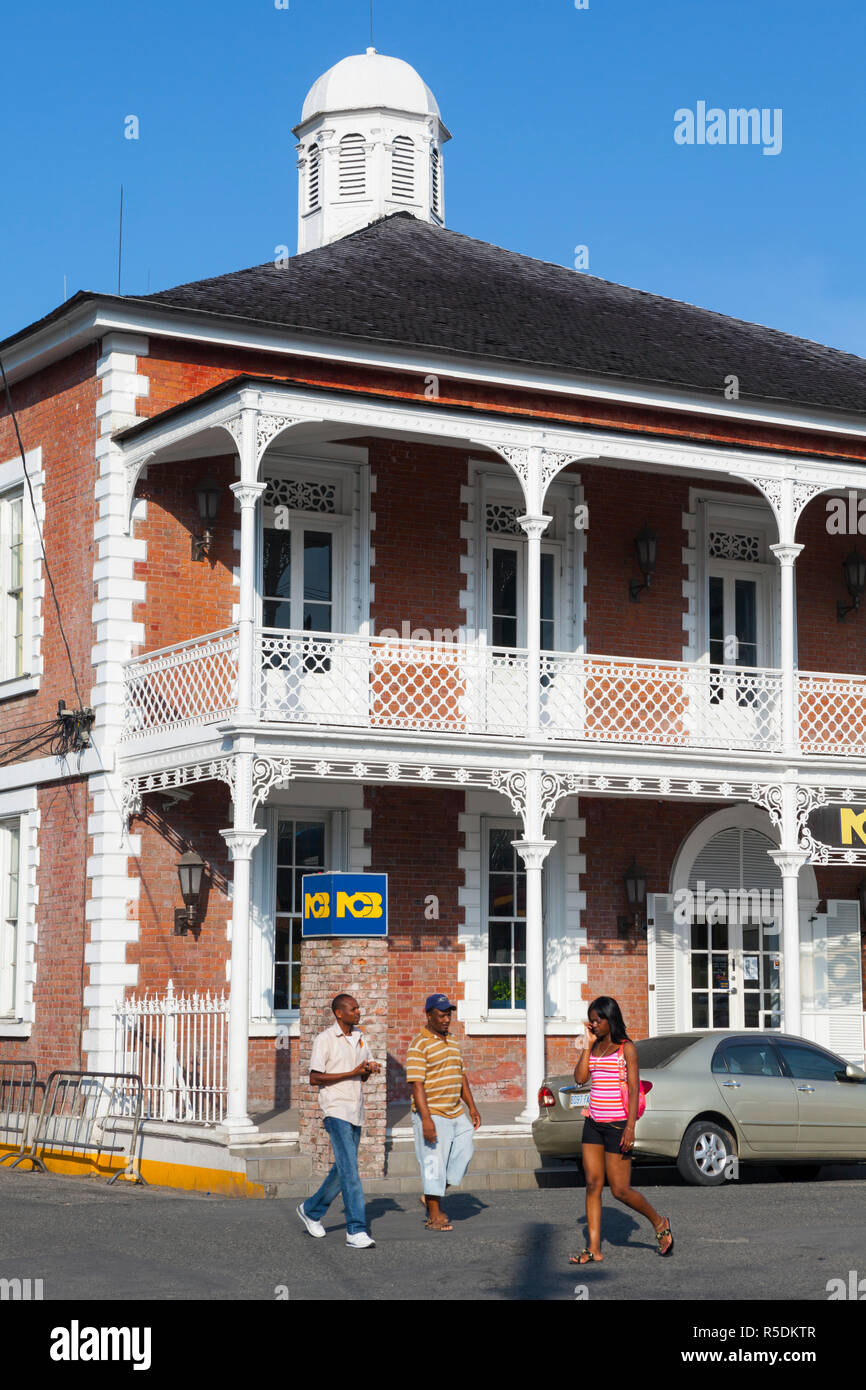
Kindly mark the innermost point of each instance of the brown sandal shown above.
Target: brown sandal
(660, 1235)
(444, 1225)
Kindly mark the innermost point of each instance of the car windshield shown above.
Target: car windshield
(658, 1052)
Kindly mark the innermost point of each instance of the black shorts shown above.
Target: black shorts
(609, 1133)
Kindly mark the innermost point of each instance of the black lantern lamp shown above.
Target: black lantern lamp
(635, 891)
(646, 545)
(190, 871)
(854, 574)
(861, 893)
(207, 497)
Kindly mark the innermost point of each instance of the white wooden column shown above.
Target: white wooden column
(790, 860)
(241, 840)
(248, 494)
(534, 524)
(786, 553)
(533, 850)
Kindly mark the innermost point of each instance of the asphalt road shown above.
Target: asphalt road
(760, 1239)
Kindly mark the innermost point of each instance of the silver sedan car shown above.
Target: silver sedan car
(719, 1098)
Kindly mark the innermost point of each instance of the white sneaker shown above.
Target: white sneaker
(360, 1241)
(315, 1228)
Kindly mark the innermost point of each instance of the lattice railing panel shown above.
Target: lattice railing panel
(377, 683)
(664, 704)
(190, 683)
(832, 713)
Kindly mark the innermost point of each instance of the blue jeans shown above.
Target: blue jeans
(446, 1161)
(343, 1177)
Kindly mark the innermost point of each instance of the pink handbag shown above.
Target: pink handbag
(644, 1088)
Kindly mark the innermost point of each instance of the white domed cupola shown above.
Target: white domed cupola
(370, 144)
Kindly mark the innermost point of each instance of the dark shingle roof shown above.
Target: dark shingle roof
(406, 282)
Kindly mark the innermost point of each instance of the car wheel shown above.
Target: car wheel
(705, 1153)
(799, 1172)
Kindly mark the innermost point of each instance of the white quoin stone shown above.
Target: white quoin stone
(370, 144)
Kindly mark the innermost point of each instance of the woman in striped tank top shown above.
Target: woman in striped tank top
(608, 1130)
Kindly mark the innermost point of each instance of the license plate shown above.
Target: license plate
(578, 1102)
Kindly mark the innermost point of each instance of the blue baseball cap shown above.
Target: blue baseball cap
(438, 1001)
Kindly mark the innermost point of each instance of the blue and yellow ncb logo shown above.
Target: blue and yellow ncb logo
(345, 905)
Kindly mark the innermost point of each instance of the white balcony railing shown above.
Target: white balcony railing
(440, 687)
(832, 713)
(187, 684)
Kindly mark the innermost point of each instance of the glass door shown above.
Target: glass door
(317, 680)
(735, 968)
(741, 704)
(506, 569)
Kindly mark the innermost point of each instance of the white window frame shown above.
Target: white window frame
(349, 524)
(490, 484)
(20, 806)
(726, 511)
(554, 548)
(346, 822)
(13, 485)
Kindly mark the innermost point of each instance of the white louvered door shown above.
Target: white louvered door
(833, 981)
(662, 965)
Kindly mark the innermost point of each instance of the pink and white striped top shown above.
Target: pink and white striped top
(605, 1100)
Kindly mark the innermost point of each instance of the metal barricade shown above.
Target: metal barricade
(81, 1114)
(17, 1088)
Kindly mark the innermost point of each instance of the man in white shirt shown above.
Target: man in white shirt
(340, 1063)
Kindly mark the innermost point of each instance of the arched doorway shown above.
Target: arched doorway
(714, 942)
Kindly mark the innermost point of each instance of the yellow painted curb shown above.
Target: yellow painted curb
(185, 1177)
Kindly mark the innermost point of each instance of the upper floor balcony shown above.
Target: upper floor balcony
(328, 681)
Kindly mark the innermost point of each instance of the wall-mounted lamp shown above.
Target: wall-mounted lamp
(207, 497)
(854, 574)
(646, 545)
(190, 871)
(635, 892)
(861, 893)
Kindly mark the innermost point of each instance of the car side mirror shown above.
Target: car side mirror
(851, 1073)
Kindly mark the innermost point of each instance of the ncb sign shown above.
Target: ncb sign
(345, 905)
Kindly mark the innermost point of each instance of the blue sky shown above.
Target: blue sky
(562, 119)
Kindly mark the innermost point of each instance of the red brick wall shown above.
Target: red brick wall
(185, 597)
(417, 537)
(56, 410)
(198, 962)
(824, 644)
(181, 370)
(619, 504)
(618, 830)
(61, 973)
(191, 962)
(415, 840)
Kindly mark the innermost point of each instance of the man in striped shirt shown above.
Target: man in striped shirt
(443, 1133)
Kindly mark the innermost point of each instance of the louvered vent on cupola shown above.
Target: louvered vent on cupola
(403, 168)
(313, 180)
(353, 170)
(436, 177)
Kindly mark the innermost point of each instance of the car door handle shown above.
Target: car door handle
(805, 1088)
(731, 1083)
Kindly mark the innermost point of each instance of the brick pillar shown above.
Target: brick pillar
(330, 966)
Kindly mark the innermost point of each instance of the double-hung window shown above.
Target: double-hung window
(12, 613)
(300, 850)
(10, 854)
